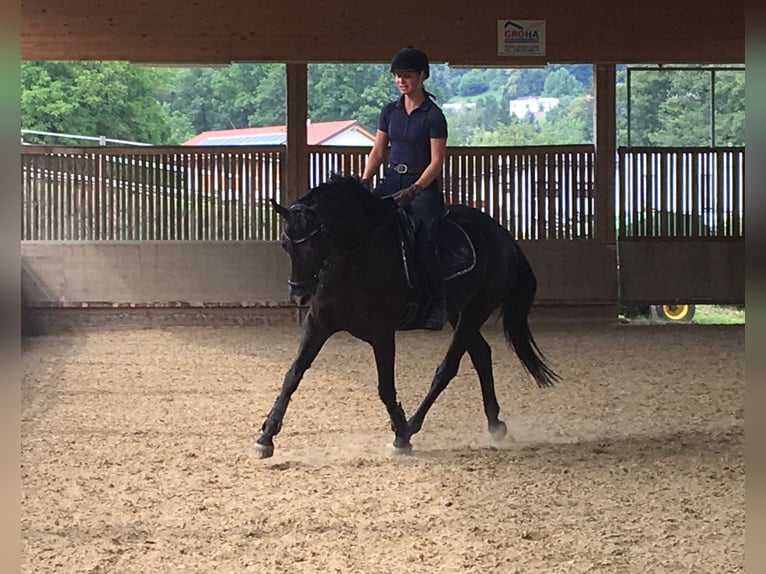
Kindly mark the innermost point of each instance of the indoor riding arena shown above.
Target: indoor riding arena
(137, 455)
(157, 327)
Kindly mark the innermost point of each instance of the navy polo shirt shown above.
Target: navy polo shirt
(410, 135)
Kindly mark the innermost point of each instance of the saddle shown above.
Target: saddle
(457, 256)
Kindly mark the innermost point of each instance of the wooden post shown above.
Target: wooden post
(605, 134)
(296, 172)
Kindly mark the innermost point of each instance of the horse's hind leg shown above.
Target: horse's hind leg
(445, 372)
(481, 357)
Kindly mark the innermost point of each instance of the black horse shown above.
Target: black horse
(346, 251)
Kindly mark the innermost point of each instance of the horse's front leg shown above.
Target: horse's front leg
(312, 339)
(385, 351)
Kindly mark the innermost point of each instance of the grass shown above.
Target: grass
(717, 315)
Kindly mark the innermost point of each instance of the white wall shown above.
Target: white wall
(154, 273)
(167, 273)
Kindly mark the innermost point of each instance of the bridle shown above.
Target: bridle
(324, 264)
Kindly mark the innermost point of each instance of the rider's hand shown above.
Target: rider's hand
(404, 196)
(366, 183)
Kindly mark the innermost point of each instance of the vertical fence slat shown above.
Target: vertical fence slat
(738, 171)
(171, 193)
(721, 189)
(35, 184)
(252, 177)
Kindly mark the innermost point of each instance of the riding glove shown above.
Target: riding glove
(404, 196)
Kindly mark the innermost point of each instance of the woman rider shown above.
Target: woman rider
(416, 129)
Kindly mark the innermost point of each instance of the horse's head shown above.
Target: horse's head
(305, 239)
(329, 221)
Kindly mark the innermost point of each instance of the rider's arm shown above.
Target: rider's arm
(434, 169)
(377, 153)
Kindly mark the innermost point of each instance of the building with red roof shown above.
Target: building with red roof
(337, 133)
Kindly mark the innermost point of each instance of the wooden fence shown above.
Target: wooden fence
(681, 192)
(535, 192)
(223, 193)
(134, 194)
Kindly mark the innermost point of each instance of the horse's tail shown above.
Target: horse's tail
(516, 308)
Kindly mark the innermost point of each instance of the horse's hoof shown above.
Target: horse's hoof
(402, 448)
(498, 431)
(263, 450)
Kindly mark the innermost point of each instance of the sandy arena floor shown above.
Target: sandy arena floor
(136, 456)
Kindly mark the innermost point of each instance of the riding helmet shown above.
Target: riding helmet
(410, 60)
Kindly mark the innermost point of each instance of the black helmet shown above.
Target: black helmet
(410, 60)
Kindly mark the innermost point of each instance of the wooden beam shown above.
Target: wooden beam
(221, 31)
(605, 134)
(297, 162)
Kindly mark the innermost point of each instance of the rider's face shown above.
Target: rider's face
(408, 82)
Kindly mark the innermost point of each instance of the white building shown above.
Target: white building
(458, 106)
(536, 105)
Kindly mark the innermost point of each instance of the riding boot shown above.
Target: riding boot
(438, 313)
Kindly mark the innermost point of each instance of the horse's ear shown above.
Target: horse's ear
(280, 209)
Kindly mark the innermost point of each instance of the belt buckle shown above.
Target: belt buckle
(400, 168)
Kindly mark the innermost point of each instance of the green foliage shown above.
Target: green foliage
(170, 105)
(235, 96)
(560, 83)
(524, 82)
(472, 83)
(729, 108)
(571, 122)
(515, 133)
(674, 108)
(112, 99)
(348, 91)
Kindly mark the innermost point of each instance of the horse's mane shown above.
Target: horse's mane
(345, 208)
(337, 194)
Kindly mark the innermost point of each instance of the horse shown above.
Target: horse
(347, 259)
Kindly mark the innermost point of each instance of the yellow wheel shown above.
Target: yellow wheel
(674, 312)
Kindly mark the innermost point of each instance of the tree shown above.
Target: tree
(236, 96)
(523, 83)
(348, 91)
(112, 99)
(560, 83)
(570, 122)
(730, 108)
(673, 108)
(515, 133)
(473, 83)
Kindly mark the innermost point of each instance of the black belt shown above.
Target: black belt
(402, 168)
